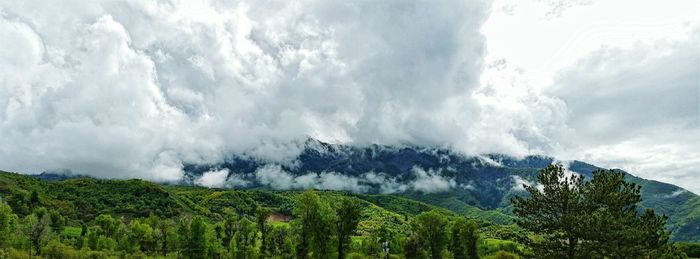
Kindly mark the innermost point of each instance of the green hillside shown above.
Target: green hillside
(83, 200)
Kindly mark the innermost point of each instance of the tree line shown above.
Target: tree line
(319, 230)
(563, 215)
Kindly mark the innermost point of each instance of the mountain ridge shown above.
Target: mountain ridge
(472, 185)
(437, 176)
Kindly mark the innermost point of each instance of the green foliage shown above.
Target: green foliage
(193, 234)
(502, 255)
(347, 217)
(690, 249)
(431, 227)
(8, 223)
(87, 218)
(316, 220)
(464, 238)
(243, 244)
(555, 212)
(261, 216)
(599, 218)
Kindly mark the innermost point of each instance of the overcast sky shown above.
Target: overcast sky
(133, 88)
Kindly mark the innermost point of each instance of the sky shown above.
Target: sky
(133, 88)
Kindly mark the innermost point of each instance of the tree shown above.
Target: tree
(227, 228)
(348, 216)
(261, 215)
(614, 228)
(140, 236)
(243, 242)
(162, 233)
(34, 200)
(197, 241)
(280, 243)
(316, 225)
(431, 227)
(412, 247)
(464, 239)
(58, 222)
(19, 203)
(598, 218)
(8, 223)
(107, 224)
(555, 212)
(38, 231)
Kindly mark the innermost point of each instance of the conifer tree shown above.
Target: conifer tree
(348, 216)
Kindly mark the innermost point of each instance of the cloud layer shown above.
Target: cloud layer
(275, 177)
(134, 88)
(127, 88)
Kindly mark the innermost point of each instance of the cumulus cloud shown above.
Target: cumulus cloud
(640, 111)
(215, 179)
(518, 183)
(430, 181)
(129, 88)
(275, 177)
(133, 88)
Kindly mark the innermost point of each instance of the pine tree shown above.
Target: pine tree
(261, 215)
(614, 228)
(348, 216)
(598, 219)
(555, 212)
(464, 238)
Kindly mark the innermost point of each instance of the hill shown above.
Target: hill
(473, 185)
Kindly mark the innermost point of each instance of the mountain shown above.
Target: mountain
(474, 185)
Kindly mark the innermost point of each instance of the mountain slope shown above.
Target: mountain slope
(440, 177)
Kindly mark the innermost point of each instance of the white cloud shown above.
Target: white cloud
(518, 183)
(130, 88)
(674, 194)
(275, 177)
(642, 110)
(430, 181)
(424, 181)
(215, 179)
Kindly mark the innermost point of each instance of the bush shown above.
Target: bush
(356, 256)
(502, 255)
(59, 251)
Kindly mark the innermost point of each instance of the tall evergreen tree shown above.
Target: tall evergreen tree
(261, 215)
(613, 227)
(555, 212)
(347, 218)
(197, 243)
(243, 242)
(599, 218)
(464, 238)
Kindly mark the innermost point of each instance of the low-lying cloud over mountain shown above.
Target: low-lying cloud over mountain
(141, 88)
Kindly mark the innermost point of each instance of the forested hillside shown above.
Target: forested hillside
(93, 218)
(81, 206)
(474, 185)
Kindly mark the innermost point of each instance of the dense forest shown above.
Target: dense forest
(562, 216)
